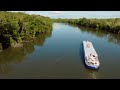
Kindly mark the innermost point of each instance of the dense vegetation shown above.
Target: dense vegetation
(16, 27)
(111, 25)
(17, 55)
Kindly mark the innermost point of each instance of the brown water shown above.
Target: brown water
(59, 55)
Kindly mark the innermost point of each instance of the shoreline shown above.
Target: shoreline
(110, 25)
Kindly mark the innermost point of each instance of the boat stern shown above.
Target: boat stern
(93, 67)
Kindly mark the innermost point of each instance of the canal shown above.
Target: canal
(59, 55)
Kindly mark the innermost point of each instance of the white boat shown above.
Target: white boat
(90, 55)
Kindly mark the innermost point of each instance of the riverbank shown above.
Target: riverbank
(16, 27)
(110, 25)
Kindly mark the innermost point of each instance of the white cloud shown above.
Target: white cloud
(56, 12)
(76, 14)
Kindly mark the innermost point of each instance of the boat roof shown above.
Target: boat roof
(89, 49)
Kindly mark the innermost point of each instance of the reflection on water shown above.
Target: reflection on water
(15, 55)
(5, 68)
(92, 74)
(40, 39)
(114, 38)
(61, 56)
(12, 56)
(56, 26)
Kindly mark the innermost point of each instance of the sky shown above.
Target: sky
(76, 14)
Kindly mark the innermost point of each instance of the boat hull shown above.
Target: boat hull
(91, 67)
(87, 51)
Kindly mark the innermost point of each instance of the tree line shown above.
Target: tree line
(110, 25)
(16, 27)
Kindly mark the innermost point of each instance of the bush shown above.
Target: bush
(111, 25)
(15, 27)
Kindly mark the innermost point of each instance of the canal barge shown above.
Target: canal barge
(90, 55)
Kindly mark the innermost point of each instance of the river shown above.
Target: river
(59, 55)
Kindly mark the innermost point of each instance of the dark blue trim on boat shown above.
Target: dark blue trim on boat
(91, 67)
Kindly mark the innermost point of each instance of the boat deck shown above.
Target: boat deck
(88, 48)
(91, 57)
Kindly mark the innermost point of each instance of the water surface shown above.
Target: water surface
(59, 55)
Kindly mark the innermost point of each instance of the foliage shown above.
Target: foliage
(111, 25)
(15, 27)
